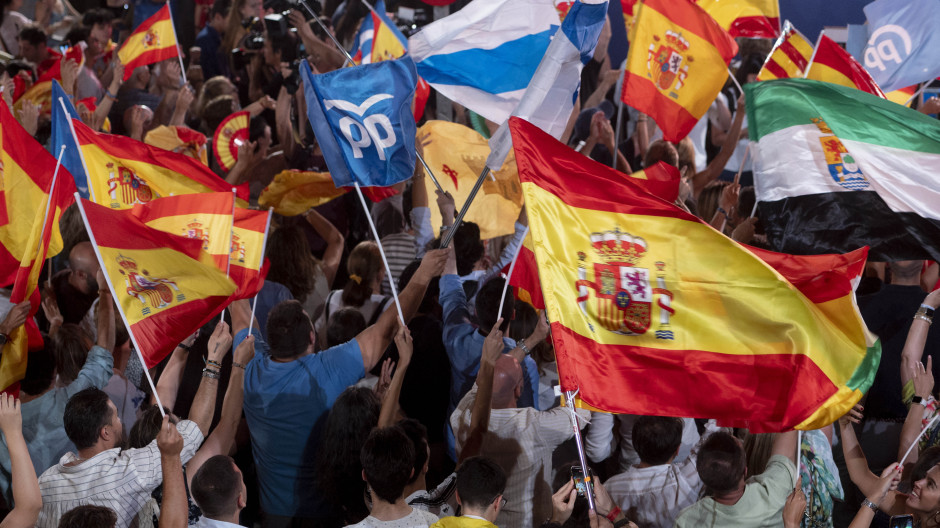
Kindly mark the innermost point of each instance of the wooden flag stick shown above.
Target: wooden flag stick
(378, 242)
(512, 266)
(264, 244)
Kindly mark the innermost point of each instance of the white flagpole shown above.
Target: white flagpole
(81, 156)
(179, 54)
(130, 330)
(264, 244)
(45, 215)
(231, 236)
(813, 56)
(512, 266)
(914, 443)
(917, 93)
(588, 483)
(378, 242)
(799, 454)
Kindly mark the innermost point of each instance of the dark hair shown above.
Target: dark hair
(145, 428)
(77, 34)
(746, 199)
(721, 463)
(339, 475)
(256, 126)
(365, 262)
(343, 326)
(751, 64)
(468, 248)
(288, 330)
(524, 321)
(487, 304)
(418, 434)
(929, 458)
(479, 481)
(387, 460)
(88, 515)
(97, 15)
(40, 370)
(429, 301)
(216, 486)
(85, 414)
(220, 7)
(661, 150)
(656, 438)
(70, 345)
(33, 34)
(286, 44)
(292, 263)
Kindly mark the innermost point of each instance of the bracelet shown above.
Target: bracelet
(612, 514)
(185, 347)
(107, 93)
(621, 523)
(923, 317)
(237, 364)
(104, 292)
(722, 211)
(521, 344)
(870, 504)
(211, 374)
(215, 364)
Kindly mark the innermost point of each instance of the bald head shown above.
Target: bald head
(84, 265)
(507, 382)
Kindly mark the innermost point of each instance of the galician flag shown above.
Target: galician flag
(836, 169)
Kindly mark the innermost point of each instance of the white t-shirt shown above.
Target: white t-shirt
(415, 519)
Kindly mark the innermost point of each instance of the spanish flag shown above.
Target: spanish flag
(745, 18)
(165, 285)
(232, 237)
(154, 40)
(123, 172)
(293, 192)
(647, 315)
(24, 185)
(677, 64)
(790, 56)
(902, 96)
(834, 65)
(40, 93)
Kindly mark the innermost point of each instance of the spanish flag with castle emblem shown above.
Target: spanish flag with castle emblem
(233, 237)
(154, 40)
(165, 286)
(677, 64)
(651, 308)
(123, 172)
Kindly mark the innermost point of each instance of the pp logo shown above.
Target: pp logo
(883, 47)
(369, 132)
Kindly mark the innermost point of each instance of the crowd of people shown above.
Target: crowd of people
(318, 407)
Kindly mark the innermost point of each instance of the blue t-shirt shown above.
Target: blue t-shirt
(286, 405)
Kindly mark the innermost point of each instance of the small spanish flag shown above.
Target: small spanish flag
(902, 96)
(677, 64)
(153, 41)
(745, 18)
(162, 283)
(790, 56)
(834, 65)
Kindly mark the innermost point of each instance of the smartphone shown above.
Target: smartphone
(901, 521)
(577, 474)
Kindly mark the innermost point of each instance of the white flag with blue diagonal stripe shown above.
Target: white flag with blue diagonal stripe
(484, 55)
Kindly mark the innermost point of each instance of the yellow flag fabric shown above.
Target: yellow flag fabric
(153, 41)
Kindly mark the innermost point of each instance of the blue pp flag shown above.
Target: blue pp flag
(903, 42)
(62, 113)
(361, 117)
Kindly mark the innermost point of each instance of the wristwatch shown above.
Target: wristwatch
(918, 400)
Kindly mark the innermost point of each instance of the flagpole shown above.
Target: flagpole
(45, 216)
(378, 242)
(466, 206)
(588, 484)
(81, 156)
(799, 454)
(130, 330)
(736, 83)
(619, 121)
(179, 54)
(264, 244)
(914, 443)
(231, 236)
(917, 93)
(512, 266)
(813, 56)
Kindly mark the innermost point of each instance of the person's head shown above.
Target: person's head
(524, 321)
(217, 15)
(292, 264)
(212, 88)
(418, 434)
(387, 460)
(88, 515)
(657, 439)
(219, 488)
(661, 150)
(32, 40)
(721, 463)
(98, 20)
(745, 205)
(217, 109)
(84, 266)
(40, 370)
(92, 421)
(758, 448)
(80, 33)
(480, 486)
(366, 272)
(279, 48)
(430, 301)
(468, 248)
(259, 131)
(290, 332)
(140, 78)
(749, 68)
(685, 151)
(147, 426)
(707, 202)
(344, 325)
(905, 271)
(507, 382)
(70, 345)
(247, 8)
(487, 305)
(925, 482)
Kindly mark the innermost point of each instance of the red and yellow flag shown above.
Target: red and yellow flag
(790, 56)
(40, 93)
(677, 64)
(154, 40)
(165, 285)
(834, 65)
(179, 139)
(232, 237)
(646, 317)
(745, 18)
(293, 192)
(902, 96)
(123, 172)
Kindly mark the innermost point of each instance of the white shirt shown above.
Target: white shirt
(205, 522)
(416, 519)
(521, 441)
(120, 480)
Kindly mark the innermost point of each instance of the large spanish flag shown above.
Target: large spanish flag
(40, 93)
(233, 237)
(790, 56)
(25, 180)
(834, 65)
(677, 64)
(123, 171)
(648, 318)
(154, 40)
(165, 286)
(745, 18)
